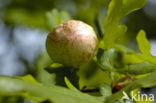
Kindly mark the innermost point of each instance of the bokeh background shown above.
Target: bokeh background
(24, 25)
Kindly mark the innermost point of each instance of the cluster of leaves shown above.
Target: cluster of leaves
(112, 64)
(27, 10)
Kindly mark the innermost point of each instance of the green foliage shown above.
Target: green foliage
(11, 99)
(112, 65)
(25, 17)
(117, 9)
(145, 82)
(42, 75)
(56, 17)
(143, 43)
(40, 92)
(106, 58)
(139, 68)
(105, 90)
(145, 49)
(61, 72)
(69, 85)
(27, 78)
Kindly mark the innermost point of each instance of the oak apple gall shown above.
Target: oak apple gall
(72, 43)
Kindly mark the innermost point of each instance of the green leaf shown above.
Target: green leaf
(55, 17)
(139, 68)
(143, 43)
(11, 99)
(112, 34)
(113, 12)
(42, 75)
(28, 78)
(145, 82)
(132, 5)
(117, 9)
(106, 59)
(123, 49)
(91, 76)
(56, 94)
(145, 49)
(138, 58)
(105, 90)
(61, 71)
(69, 85)
(22, 16)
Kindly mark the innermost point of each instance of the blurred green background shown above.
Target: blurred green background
(24, 25)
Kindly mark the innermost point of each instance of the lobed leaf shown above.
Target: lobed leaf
(139, 68)
(145, 82)
(117, 9)
(56, 94)
(143, 43)
(132, 5)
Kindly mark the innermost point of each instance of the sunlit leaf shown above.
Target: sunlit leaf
(28, 78)
(117, 9)
(143, 43)
(69, 85)
(56, 94)
(145, 82)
